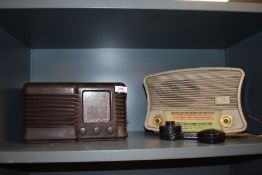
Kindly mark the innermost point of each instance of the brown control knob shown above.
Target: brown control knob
(82, 131)
(110, 129)
(97, 130)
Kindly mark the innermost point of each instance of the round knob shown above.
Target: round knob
(159, 120)
(82, 131)
(226, 120)
(96, 130)
(110, 129)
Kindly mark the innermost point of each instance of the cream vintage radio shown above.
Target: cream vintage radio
(196, 99)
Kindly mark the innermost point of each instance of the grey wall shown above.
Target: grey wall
(247, 55)
(124, 65)
(14, 72)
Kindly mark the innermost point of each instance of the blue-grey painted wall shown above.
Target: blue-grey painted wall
(120, 65)
(14, 72)
(248, 55)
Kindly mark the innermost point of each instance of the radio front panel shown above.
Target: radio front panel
(74, 111)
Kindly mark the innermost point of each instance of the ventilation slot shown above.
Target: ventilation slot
(120, 108)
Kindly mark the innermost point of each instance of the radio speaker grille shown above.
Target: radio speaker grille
(50, 111)
(193, 89)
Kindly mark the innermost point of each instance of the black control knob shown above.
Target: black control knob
(170, 131)
(211, 136)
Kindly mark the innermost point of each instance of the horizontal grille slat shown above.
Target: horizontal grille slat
(50, 110)
(120, 108)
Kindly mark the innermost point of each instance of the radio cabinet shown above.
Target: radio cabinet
(74, 111)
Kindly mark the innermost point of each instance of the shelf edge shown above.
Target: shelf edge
(127, 155)
(132, 4)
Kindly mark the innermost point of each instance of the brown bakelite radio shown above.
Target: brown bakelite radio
(74, 111)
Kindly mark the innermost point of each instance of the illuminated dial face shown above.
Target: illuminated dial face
(194, 121)
(96, 106)
(192, 115)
